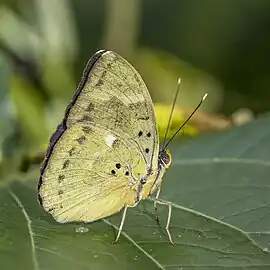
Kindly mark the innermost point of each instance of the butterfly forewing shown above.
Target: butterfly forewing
(116, 98)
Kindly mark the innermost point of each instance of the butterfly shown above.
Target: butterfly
(105, 155)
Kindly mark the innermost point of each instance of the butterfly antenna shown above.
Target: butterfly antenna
(198, 106)
(171, 113)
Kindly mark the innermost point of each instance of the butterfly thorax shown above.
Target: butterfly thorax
(146, 184)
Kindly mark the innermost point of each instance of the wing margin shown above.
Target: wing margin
(62, 126)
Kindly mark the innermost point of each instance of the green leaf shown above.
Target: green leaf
(224, 176)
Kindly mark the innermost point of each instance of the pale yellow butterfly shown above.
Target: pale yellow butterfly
(105, 154)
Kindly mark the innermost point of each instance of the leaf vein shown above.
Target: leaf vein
(31, 233)
(217, 160)
(136, 245)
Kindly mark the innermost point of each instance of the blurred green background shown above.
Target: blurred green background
(220, 47)
(216, 46)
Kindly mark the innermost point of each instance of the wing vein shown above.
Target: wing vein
(121, 81)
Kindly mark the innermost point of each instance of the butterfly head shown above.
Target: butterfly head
(165, 158)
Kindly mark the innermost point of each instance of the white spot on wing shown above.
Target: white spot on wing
(109, 139)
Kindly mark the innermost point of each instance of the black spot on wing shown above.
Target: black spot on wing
(87, 129)
(90, 107)
(63, 126)
(103, 74)
(118, 165)
(85, 118)
(100, 82)
(71, 151)
(61, 177)
(66, 164)
(81, 139)
(144, 118)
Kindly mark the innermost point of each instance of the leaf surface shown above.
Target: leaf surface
(218, 185)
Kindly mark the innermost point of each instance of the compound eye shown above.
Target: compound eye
(165, 158)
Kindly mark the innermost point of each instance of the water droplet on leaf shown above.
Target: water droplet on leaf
(81, 230)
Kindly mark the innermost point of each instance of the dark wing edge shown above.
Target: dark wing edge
(62, 127)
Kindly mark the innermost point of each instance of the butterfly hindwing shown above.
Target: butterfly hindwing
(83, 185)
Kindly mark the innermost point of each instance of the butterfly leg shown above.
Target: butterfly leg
(155, 205)
(121, 224)
(169, 217)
